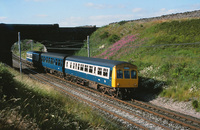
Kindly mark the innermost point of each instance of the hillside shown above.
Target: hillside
(166, 52)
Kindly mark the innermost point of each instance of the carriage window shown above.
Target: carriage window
(66, 64)
(81, 67)
(61, 63)
(70, 66)
(78, 66)
(111, 73)
(94, 70)
(133, 74)
(90, 69)
(51, 60)
(74, 64)
(86, 68)
(119, 74)
(127, 74)
(99, 71)
(58, 62)
(105, 72)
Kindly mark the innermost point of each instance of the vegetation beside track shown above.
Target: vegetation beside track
(27, 104)
(166, 52)
(26, 46)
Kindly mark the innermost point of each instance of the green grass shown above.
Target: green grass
(27, 104)
(159, 52)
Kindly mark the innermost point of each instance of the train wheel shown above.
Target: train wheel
(120, 95)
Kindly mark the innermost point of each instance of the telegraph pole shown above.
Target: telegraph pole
(88, 45)
(19, 43)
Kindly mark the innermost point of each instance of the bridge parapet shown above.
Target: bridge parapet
(47, 34)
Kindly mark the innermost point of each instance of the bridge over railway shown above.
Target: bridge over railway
(55, 38)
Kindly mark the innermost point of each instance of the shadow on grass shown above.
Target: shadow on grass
(26, 109)
(148, 89)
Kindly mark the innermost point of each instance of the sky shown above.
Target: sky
(73, 13)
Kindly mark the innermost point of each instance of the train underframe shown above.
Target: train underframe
(121, 93)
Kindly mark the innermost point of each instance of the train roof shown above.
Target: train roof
(95, 61)
(56, 55)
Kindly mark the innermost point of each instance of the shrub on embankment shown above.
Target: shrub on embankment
(27, 104)
(165, 51)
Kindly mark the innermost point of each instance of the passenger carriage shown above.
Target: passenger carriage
(116, 78)
(34, 58)
(107, 75)
(53, 63)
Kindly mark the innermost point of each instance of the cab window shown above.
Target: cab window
(119, 74)
(127, 74)
(133, 74)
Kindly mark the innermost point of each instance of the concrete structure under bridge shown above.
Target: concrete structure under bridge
(55, 38)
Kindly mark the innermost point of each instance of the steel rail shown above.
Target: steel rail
(150, 111)
(169, 112)
(84, 100)
(135, 106)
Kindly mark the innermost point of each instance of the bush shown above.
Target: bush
(104, 35)
(122, 22)
(113, 38)
(195, 104)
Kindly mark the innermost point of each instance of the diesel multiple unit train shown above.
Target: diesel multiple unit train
(116, 78)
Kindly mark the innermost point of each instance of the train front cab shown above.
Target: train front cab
(124, 76)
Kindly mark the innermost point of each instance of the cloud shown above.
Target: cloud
(3, 19)
(97, 6)
(136, 10)
(36, 0)
(99, 20)
(195, 7)
(42, 15)
(73, 21)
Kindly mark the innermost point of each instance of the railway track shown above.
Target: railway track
(133, 115)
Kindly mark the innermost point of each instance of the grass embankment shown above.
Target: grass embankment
(167, 66)
(27, 104)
